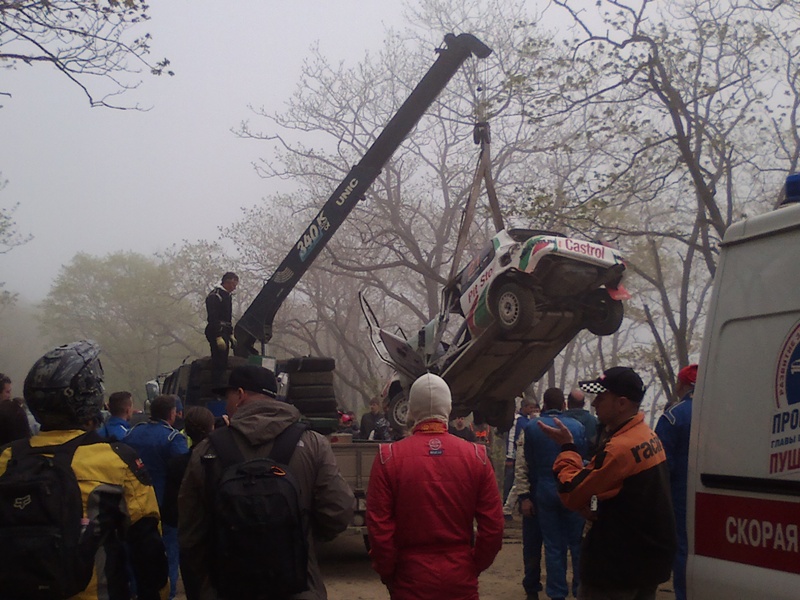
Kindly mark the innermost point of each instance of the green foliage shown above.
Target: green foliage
(130, 305)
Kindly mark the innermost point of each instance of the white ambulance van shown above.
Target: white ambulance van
(744, 463)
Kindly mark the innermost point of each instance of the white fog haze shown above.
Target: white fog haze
(99, 180)
(598, 133)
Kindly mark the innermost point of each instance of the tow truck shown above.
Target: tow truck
(308, 382)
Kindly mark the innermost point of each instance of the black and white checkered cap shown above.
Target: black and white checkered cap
(591, 387)
(622, 381)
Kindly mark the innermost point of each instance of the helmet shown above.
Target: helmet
(64, 388)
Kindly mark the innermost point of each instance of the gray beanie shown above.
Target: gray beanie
(429, 398)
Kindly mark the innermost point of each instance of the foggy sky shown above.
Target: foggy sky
(99, 181)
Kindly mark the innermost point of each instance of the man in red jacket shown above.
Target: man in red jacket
(424, 493)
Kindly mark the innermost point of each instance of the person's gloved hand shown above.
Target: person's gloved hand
(233, 341)
(221, 343)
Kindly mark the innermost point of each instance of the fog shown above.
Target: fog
(97, 180)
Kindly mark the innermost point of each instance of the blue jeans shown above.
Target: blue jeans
(532, 555)
(561, 531)
(170, 537)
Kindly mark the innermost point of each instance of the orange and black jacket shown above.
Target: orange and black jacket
(632, 541)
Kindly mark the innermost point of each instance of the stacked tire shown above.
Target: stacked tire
(310, 390)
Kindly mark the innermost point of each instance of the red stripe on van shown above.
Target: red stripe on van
(763, 533)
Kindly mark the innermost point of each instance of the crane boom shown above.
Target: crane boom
(256, 322)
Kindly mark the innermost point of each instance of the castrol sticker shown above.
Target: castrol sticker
(785, 435)
(752, 531)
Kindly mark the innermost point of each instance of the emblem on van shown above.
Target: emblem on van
(787, 373)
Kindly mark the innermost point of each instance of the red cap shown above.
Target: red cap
(688, 374)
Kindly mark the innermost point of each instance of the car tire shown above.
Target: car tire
(515, 308)
(308, 363)
(297, 392)
(311, 378)
(398, 411)
(604, 315)
(317, 407)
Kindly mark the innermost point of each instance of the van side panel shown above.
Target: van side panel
(744, 464)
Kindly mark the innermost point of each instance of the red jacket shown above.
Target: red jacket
(424, 493)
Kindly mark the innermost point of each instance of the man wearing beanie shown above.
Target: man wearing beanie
(424, 493)
(673, 430)
(623, 491)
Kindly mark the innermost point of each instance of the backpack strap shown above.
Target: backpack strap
(225, 445)
(286, 442)
(62, 453)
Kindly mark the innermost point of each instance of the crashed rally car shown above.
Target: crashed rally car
(521, 300)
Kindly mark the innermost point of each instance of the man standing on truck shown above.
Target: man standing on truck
(219, 330)
(623, 491)
(673, 431)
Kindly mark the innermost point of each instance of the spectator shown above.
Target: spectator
(346, 424)
(424, 494)
(5, 388)
(673, 429)
(531, 533)
(116, 427)
(526, 407)
(459, 428)
(624, 491)
(561, 529)
(575, 409)
(199, 424)
(369, 419)
(483, 434)
(65, 392)
(257, 418)
(13, 422)
(157, 441)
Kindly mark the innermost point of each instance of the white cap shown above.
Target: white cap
(429, 398)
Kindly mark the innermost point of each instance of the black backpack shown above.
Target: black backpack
(260, 548)
(47, 548)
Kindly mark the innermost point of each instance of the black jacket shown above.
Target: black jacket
(219, 310)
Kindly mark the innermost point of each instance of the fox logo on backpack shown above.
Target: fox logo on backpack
(48, 548)
(260, 531)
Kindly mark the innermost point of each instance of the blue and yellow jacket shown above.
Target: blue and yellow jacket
(116, 492)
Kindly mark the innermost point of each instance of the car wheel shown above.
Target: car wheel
(398, 411)
(515, 308)
(604, 315)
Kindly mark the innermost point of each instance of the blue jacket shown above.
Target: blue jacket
(589, 421)
(157, 442)
(115, 428)
(673, 430)
(541, 451)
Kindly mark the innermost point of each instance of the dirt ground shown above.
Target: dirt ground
(348, 575)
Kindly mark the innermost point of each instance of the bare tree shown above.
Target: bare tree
(681, 118)
(398, 244)
(92, 43)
